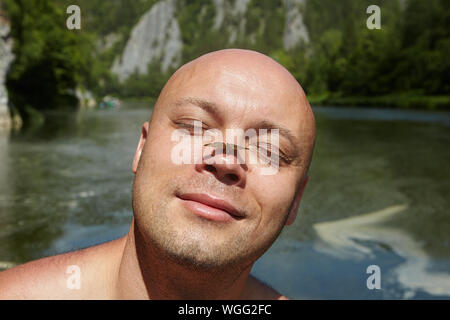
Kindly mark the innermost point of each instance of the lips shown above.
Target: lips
(210, 207)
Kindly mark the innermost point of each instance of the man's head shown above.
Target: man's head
(174, 204)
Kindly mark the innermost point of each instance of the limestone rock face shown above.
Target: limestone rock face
(155, 37)
(295, 30)
(234, 10)
(6, 57)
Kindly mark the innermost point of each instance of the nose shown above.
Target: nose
(225, 167)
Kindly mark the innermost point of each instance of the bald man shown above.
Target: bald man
(197, 227)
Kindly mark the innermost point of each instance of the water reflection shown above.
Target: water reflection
(347, 239)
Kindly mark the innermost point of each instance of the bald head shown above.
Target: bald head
(246, 82)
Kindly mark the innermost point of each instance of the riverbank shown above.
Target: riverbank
(400, 101)
(397, 101)
(150, 100)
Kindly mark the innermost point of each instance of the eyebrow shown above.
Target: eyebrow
(206, 105)
(283, 131)
(213, 108)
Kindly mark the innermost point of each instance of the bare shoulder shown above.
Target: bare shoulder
(257, 290)
(47, 278)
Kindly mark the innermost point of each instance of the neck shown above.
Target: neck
(146, 273)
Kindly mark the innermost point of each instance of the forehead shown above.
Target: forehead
(244, 90)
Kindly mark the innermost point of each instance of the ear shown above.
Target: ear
(294, 207)
(137, 155)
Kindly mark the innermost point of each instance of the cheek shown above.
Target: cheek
(157, 152)
(154, 181)
(275, 195)
(154, 177)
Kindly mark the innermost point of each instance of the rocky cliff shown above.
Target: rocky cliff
(295, 31)
(157, 35)
(6, 57)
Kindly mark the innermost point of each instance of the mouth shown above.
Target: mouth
(210, 207)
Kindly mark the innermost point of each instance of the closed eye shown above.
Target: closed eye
(191, 125)
(266, 150)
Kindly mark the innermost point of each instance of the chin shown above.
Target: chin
(194, 242)
(196, 250)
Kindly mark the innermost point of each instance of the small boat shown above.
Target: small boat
(109, 102)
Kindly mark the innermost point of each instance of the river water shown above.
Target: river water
(378, 194)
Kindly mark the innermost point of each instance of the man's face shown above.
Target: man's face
(184, 209)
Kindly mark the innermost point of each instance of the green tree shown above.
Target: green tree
(50, 60)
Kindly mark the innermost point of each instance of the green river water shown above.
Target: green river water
(378, 194)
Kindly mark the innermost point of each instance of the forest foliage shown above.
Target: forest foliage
(404, 64)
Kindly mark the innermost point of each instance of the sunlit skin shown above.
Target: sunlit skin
(178, 247)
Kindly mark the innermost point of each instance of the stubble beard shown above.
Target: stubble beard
(195, 245)
(193, 242)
